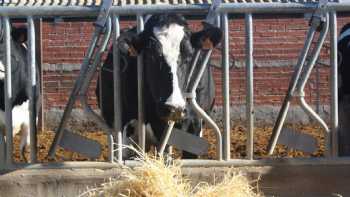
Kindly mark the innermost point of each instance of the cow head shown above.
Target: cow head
(167, 44)
(19, 34)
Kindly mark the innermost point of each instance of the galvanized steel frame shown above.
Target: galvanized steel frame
(224, 9)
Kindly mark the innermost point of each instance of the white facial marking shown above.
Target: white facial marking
(170, 38)
(2, 70)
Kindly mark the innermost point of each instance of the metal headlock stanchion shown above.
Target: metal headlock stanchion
(97, 46)
(2, 134)
(318, 22)
(192, 84)
(8, 92)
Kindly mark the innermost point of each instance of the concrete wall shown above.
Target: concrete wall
(264, 115)
(278, 181)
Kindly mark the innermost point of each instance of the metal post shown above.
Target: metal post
(38, 63)
(226, 89)
(2, 132)
(141, 125)
(117, 90)
(8, 92)
(334, 83)
(33, 88)
(250, 84)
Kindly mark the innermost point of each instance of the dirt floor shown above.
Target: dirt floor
(238, 140)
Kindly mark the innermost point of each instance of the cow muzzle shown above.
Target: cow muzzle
(172, 113)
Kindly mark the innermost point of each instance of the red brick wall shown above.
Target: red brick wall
(275, 40)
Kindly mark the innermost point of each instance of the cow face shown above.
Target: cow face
(161, 70)
(162, 40)
(167, 45)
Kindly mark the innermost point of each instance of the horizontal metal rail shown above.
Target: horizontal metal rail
(82, 11)
(191, 163)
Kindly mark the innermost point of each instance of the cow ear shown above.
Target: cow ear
(208, 38)
(131, 43)
(19, 34)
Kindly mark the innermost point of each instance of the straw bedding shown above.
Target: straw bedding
(155, 178)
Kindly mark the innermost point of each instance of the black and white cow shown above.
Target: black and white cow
(344, 90)
(21, 86)
(168, 47)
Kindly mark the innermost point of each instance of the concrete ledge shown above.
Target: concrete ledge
(264, 115)
(285, 181)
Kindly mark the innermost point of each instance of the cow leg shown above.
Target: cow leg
(24, 137)
(344, 126)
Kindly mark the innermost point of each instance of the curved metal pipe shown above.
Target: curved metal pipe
(200, 112)
(313, 114)
(314, 55)
(292, 86)
(83, 97)
(80, 84)
(74, 93)
(211, 123)
(97, 59)
(304, 78)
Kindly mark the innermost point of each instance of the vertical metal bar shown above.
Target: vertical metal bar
(226, 88)
(86, 82)
(200, 112)
(303, 80)
(117, 89)
(38, 63)
(140, 104)
(2, 133)
(334, 83)
(250, 84)
(33, 86)
(8, 92)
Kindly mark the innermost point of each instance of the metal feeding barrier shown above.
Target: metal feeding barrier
(324, 16)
